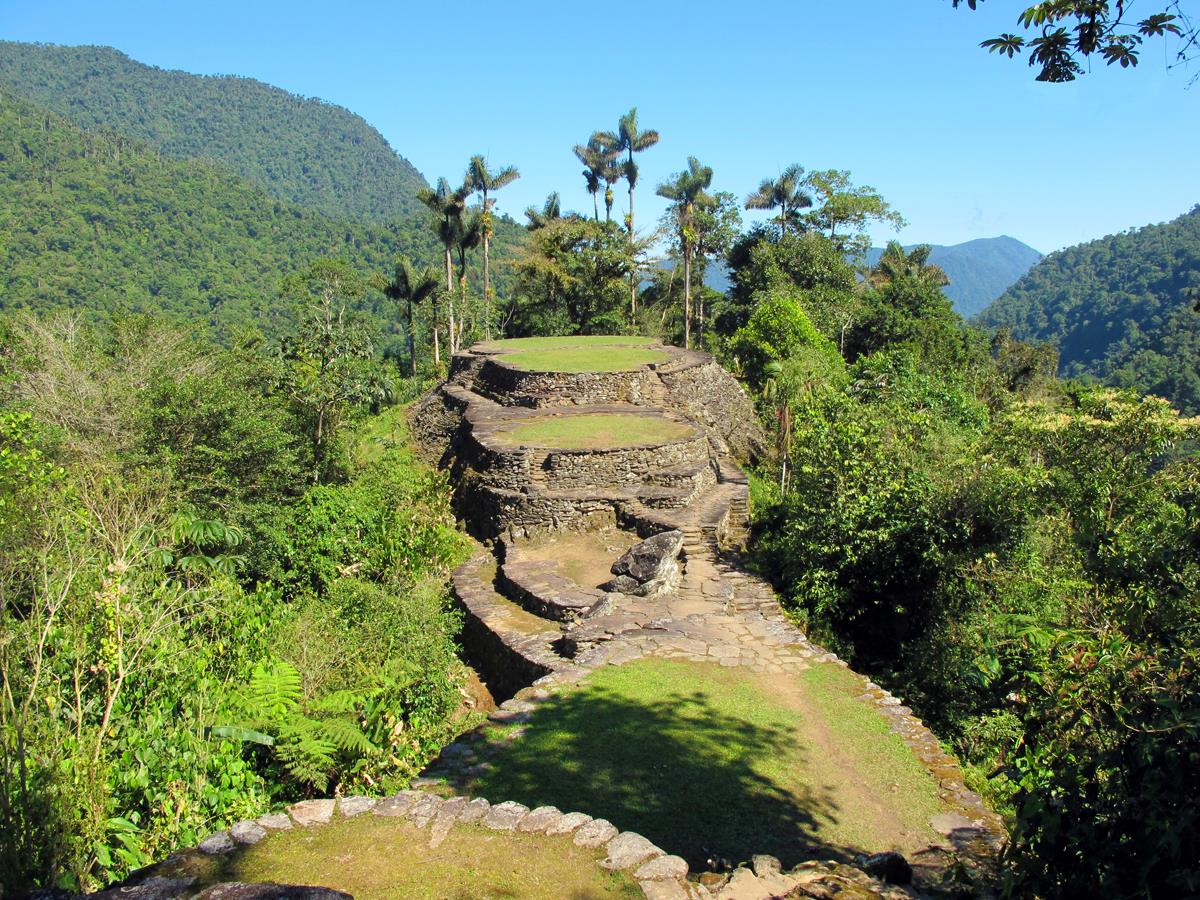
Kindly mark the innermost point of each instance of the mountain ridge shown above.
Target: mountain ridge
(980, 270)
(303, 150)
(1119, 308)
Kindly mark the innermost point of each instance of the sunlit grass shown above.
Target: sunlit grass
(704, 759)
(596, 431)
(584, 359)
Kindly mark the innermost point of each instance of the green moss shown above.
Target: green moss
(703, 759)
(598, 431)
(372, 857)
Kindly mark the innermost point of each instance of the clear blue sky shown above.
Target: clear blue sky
(897, 91)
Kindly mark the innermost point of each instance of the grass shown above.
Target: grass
(605, 358)
(587, 340)
(596, 431)
(371, 857)
(708, 760)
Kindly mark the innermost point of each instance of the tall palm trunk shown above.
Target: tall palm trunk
(596, 205)
(412, 342)
(687, 296)
(487, 279)
(450, 298)
(632, 267)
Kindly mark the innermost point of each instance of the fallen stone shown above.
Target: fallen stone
(622, 584)
(662, 868)
(627, 850)
(569, 823)
(891, 867)
(275, 821)
(154, 888)
(214, 844)
(505, 816)
(237, 890)
(595, 833)
(247, 832)
(447, 815)
(664, 890)
(311, 812)
(397, 804)
(540, 819)
(764, 865)
(653, 558)
(354, 806)
(474, 811)
(421, 813)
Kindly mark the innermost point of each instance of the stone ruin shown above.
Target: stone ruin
(685, 497)
(678, 592)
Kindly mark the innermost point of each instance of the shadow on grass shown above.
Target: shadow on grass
(690, 776)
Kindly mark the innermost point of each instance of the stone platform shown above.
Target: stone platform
(530, 628)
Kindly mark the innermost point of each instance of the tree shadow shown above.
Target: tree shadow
(678, 770)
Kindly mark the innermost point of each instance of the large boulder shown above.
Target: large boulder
(650, 567)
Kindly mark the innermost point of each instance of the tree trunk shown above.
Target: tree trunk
(450, 299)
(687, 298)
(632, 267)
(596, 205)
(412, 341)
(487, 289)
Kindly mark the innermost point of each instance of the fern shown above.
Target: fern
(274, 693)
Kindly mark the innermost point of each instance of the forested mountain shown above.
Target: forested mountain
(979, 270)
(95, 221)
(301, 150)
(1119, 308)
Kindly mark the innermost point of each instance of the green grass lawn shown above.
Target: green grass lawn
(371, 857)
(605, 358)
(569, 341)
(596, 431)
(703, 759)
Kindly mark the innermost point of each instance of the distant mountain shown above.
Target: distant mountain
(979, 270)
(303, 151)
(93, 221)
(1120, 309)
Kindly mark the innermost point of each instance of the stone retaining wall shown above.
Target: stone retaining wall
(511, 386)
(710, 396)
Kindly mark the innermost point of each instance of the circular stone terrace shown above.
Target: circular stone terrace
(594, 431)
(578, 354)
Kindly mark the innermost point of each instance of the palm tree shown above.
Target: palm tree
(688, 193)
(468, 236)
(447, 206)
(896, 263)
(411, 287)
(629, 139)
(483, 181)
(599, 165)
(550, 211)
(787, 192)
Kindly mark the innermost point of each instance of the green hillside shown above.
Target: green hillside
(97, 222)
(979, 270)
(302, 150)
(1119, 308)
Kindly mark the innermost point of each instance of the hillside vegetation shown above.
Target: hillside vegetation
(1119, 308)
(95, 222)
(302, 150)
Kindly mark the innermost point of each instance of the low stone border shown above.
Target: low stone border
(660, 876)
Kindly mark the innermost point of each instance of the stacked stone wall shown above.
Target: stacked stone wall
(511, 386)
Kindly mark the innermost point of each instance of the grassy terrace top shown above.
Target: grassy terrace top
(595, 431)
(585, 353)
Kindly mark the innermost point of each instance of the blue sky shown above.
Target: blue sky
(964, 144)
